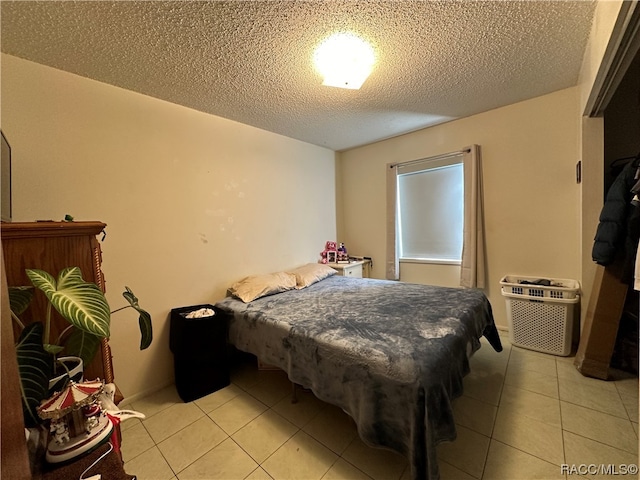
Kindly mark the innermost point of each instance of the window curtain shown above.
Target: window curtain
(472, 269)
(392, 263)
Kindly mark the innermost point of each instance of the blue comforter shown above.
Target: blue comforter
(391, 354)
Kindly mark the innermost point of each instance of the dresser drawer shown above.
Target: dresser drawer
(352, 271)
(348, 269)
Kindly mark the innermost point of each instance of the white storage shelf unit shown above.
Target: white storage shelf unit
(541, 316)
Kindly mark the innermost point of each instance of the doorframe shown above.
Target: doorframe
(622, 48)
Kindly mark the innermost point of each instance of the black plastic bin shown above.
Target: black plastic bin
(199, 347)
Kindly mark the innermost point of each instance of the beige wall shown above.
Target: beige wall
(592, 138)
(193, 202)
(532, 203)
(604, 20)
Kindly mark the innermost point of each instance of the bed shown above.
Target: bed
(392, 355)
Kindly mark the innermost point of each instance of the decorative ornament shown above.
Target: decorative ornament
(78, 422)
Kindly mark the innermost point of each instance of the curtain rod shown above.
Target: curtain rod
(428, 159)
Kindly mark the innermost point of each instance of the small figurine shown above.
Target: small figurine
(342, 253)
(60, 431)
(91, 413)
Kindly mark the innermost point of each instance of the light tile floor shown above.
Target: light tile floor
(523, 415)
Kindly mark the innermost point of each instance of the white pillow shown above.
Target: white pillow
(311, 273)
(257, 286)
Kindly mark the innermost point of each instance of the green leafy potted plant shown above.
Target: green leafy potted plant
(85, 307)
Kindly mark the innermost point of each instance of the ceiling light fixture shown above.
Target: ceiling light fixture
(344, 60)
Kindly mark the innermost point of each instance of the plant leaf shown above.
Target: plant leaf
(146, 332)
(144, 320)
(82, 303)
(35, 367)
(130, 297)
(82, 344)
(52, 349)
(20, 298)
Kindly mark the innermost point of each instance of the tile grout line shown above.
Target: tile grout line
(493, 424)
(562, 430)
(156, 444)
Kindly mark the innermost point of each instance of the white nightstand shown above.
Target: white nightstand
(355, 269)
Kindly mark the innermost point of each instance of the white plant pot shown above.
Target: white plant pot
(76, 370)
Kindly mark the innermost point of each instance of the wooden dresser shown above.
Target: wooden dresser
(14, 453)
(53, 246)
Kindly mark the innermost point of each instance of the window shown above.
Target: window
(431, 210)
(435, 214)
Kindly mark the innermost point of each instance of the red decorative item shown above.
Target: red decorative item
(115, 438)
(330, 252)
(78, 423)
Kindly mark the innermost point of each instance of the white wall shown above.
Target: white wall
(532, 205)
(193, 202)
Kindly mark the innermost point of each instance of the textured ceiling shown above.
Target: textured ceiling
(251, 61)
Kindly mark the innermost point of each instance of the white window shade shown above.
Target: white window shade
(431, 213)
(456, 187)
